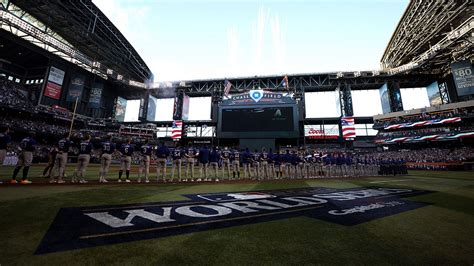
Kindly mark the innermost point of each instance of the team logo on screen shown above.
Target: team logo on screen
(256, 95)
(75, 228)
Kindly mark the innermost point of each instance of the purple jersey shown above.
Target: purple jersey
(28, 144)
(85, 147)
(127, 149)
(146, 149)
(177, 154)
(108, 147)
(64, 144)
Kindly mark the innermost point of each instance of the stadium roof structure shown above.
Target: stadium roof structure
(82, 25)
(431, 35)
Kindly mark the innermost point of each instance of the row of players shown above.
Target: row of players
(256, 165)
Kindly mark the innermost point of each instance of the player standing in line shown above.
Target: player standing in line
(294, 159)
(28, 146)
(108, 148)
(203, 161)
(190, 155)
(162, 154)
(286, 164)
(85, 149)
(52, 152)
(226, 154)
(5, 139)
(349, 166)
(235, 157)
(246, 161)
(177, 155)
(319, 164)
(328, 165)
(145, 154)
(256, 165)
(310, 164)
(64, 145)
(264, 163)
(214, 158)
(277, 163)
(301, 164)
(126, 150)
(271, 163)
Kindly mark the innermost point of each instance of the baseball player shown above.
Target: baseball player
(52, 152)
(264, 163)
(214, 158)
(162, 154)
(28, 146)
(226, 154)
(246, 161)
(177, 155)
(61, 159)
(204, 162)
(235, 157)
(191, 153)
(145, 155)
(126, 150)
(256, 164)
(85, 148)
(108, 148)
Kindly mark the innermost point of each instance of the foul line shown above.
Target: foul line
(198, 223)
(388, 181)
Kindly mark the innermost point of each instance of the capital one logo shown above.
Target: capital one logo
(75, 228)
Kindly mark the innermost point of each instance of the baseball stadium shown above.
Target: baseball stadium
(106, 162)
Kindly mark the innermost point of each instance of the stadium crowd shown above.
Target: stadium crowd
(423, 132)
(461, 112)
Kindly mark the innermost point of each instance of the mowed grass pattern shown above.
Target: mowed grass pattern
(441, 233)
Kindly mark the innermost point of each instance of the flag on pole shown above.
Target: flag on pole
(176, 129)
(284, 82)
(227, 86)
(348, 128)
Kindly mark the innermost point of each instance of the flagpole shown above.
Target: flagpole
(73, 116)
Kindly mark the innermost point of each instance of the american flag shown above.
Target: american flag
(284, 82)
(348, 128)
(176, 129)
(227, 86)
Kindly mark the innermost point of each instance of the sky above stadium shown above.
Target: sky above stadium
(185, 39)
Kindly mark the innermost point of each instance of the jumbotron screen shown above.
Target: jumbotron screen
(257, 119)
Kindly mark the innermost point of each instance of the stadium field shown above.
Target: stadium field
(439, 232)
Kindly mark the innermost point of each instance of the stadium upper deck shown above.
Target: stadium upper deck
(80, 31)
(430, 35)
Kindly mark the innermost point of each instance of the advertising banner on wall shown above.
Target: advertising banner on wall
(95, 95)
(258, 97)
(434, 95)
(463, 77)
(321, 131)
(75, 88)
(385, 99)
(186, 107)
(151, 112)
(120, 108)
(54, 84)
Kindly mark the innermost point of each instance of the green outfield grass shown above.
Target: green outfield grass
(441, 233)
